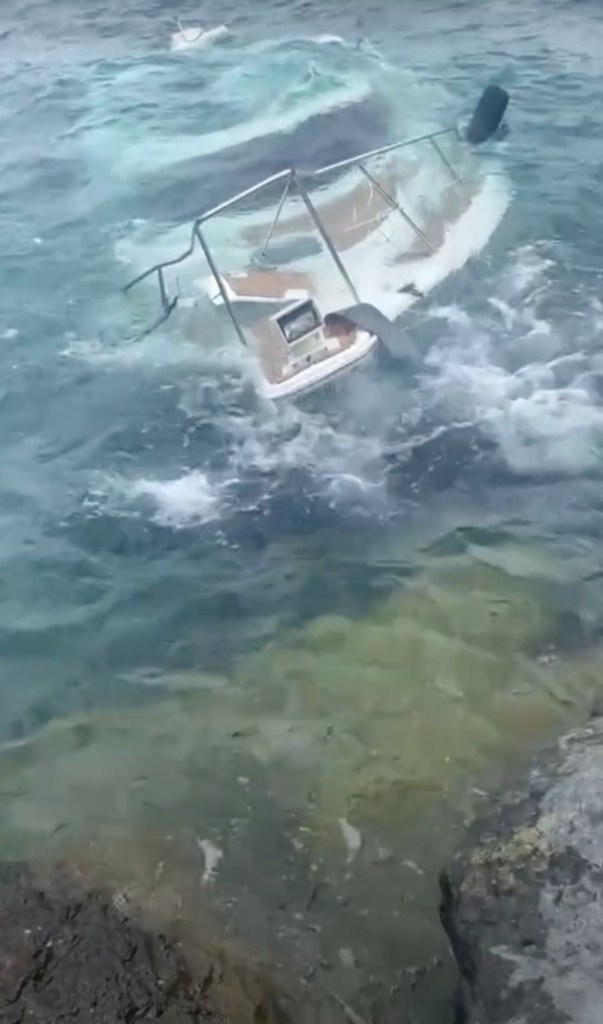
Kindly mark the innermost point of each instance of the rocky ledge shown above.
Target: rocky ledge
(68, 955)
(523, 902)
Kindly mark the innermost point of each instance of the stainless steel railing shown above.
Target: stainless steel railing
(291, 177)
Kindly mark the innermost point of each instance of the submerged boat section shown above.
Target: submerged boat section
(297, 261)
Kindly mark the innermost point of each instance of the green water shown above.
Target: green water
(304, 803)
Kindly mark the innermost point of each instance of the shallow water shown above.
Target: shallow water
(303, 802)
(181, 564)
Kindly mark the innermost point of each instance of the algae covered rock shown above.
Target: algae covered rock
(68, 954)
(523, 902)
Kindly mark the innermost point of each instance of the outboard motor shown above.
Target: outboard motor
(488, 115)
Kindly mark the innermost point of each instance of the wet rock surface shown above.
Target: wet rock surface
(523, 901)
(70, 956)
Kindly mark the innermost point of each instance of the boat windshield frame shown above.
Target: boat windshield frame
(298, 180)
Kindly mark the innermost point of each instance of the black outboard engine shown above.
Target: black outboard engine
(488, 115)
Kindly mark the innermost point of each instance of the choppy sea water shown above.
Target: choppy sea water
(306, 636)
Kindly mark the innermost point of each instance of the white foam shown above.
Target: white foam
(542, 414)
(528, 268)
(155, 350)
(549, 430)
(346, 468)
(188, 500)
(157, 153)
(178, 503)
(290, 437)
(326, 39)
(507, 313)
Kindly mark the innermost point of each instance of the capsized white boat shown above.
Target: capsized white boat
(195, 37)
(381, 244)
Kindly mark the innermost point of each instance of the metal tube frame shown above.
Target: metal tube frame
(291, 176)
(165, 299)
(277, 215)
(220, 284)
(341, 164)
(213, 212)
(323, 234)
(396, 206)
(455, 177)
(281, 176)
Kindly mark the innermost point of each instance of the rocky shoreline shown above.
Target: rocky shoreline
(521, 905)
(71, 955)
(522, 902)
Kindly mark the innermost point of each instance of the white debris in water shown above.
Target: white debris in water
(382, 854)
(413, 867)
(197, 37)
(351, 838)
(9, 334)
(120, 900)
(350, 1013)
(212, 855)
(347, 958)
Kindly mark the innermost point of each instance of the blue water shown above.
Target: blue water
(153, 512)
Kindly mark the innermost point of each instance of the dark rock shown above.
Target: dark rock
(523, 902)
(70, 956)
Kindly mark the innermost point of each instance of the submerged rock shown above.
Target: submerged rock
(225, 796)
(68, 955)
(523, 903)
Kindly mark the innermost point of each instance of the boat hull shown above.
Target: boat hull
(317, 374)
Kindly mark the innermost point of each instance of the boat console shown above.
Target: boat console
(303, 330)
(299, 321)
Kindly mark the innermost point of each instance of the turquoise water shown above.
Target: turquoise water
(148, 501)
(158, 521)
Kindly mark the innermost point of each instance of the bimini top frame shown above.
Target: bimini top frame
(290, 178)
